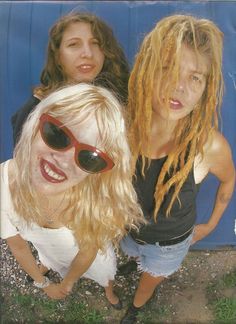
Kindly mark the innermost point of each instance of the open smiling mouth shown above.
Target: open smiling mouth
(51, 173)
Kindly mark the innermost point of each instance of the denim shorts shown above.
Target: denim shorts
(155, 259)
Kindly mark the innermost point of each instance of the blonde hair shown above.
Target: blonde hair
(103, 207)
(161, 48)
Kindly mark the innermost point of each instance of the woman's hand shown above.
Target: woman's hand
(201, 231)
(56, 291)
(66, 288)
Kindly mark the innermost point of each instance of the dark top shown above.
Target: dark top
(18, 119)
(182, 217)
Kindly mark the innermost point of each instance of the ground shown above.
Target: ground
(183, 298)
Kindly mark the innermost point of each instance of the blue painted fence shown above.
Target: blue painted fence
(24, 29)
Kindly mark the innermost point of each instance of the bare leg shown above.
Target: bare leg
(146, 287)
(112, 298)
(144, 292)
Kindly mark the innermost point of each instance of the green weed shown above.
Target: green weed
(148, 317)
(225, 309)
(30, 309)
(229, 280)
(79, 311)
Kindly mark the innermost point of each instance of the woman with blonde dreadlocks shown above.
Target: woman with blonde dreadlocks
(174, 92)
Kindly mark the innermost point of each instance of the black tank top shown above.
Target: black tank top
(181, 218)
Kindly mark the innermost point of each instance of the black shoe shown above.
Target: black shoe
(127, 268)
(130, 315)
(117, 306)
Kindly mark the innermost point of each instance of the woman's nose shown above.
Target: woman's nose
(86, 50)
(181, 83)
(64, 159)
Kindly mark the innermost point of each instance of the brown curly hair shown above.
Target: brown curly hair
(115, 72)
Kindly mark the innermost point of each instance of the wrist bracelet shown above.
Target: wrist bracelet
(44, 284)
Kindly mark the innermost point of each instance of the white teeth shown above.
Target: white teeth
(85, 67)
(51, 173)
(174, 102)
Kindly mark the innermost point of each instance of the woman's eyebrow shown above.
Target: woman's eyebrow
(72, 38)
(199, 72)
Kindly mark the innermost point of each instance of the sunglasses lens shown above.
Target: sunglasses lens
(54, 136)
(91, 161)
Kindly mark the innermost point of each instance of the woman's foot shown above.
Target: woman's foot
(117, 306)
(114, 300)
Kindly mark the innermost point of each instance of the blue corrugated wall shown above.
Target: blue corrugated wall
(23, 39)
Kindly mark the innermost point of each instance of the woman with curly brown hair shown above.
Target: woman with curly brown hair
(81, 48)
(175, 91)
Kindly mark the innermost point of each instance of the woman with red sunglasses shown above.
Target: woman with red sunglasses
(68, 190)
(81, 48)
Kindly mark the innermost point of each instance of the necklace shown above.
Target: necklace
(49, 218)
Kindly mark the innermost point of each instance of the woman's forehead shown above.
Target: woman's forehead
(196, 61)
(85, 129)
(188, 57)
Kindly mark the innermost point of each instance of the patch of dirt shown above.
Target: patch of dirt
(182, 299)
(229, 292)
(184, 294)
(187, 288)
(199, 270)
(191, 304)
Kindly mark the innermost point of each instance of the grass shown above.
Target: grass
(153, 313)
(74, 309)
(30, 309)
(229, 280)
(224, 308)
(77, 311)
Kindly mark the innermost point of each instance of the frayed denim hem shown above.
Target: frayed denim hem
(142, 268)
